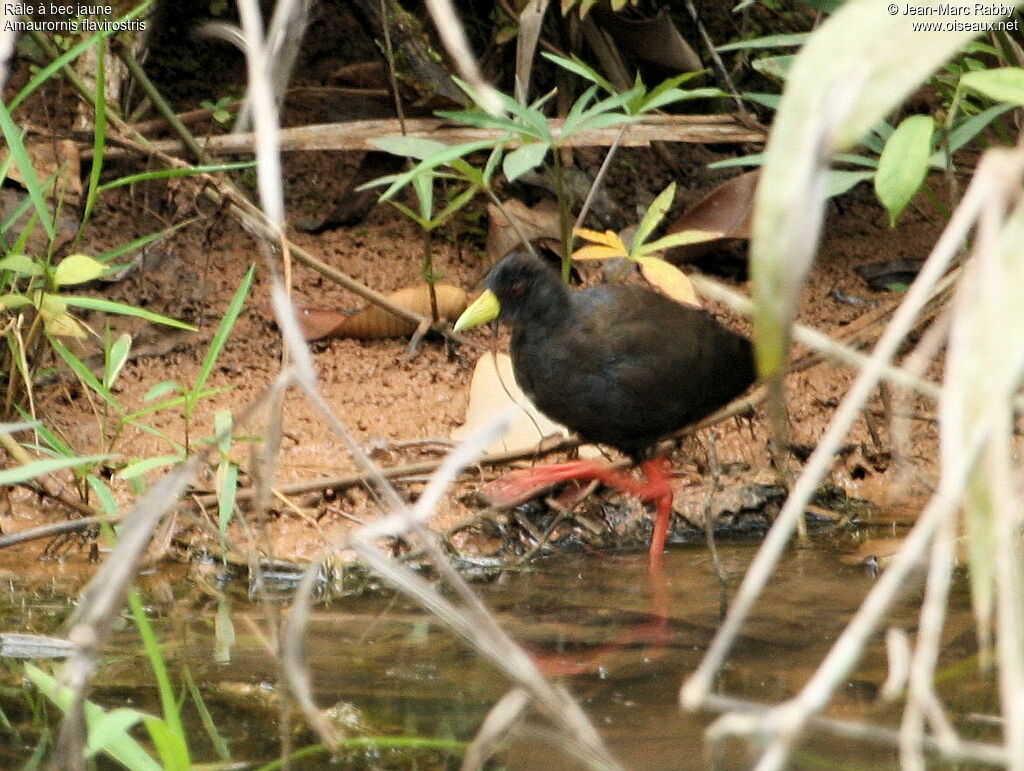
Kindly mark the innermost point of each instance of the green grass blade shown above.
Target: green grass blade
(48, 71)
(220, 745)
(110, 306)
(99, 141)
(16, 145)
(33, 469)
(112, 254)
(178, 749)
(170, 173)
(227, 323)
(84, 373)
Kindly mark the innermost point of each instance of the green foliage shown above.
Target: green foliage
(221, 110)
(898, 159)
(525, 138)
(107, 730)
(903, 164)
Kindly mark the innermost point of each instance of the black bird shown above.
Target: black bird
(621, 365)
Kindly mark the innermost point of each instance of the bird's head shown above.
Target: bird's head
(521, 286)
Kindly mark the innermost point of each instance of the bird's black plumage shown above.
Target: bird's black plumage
(621, 365)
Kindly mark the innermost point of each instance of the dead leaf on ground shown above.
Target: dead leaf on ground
(656, 40)
(52, 158)
(537, 223)
(727, 209)
(374, 322)
(493, 390)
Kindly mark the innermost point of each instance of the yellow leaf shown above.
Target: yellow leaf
(77, 269)
(669, 279)
(608, 238)
(597, 253)
(49, 304)
(63, 325)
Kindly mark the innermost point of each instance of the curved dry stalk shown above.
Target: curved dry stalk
(922, 702)
(453, 37)
(964, 751)
(499, 721)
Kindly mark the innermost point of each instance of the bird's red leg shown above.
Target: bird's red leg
(520, 486)
(658, 489)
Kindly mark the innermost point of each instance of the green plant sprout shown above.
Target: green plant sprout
(532, 135)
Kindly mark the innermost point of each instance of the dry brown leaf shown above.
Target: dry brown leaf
(727, 210)
(539, 222)
(656, 40)
(493, 390)
(52, 158)
(374, 322)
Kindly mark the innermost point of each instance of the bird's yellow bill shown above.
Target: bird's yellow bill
(483, 309)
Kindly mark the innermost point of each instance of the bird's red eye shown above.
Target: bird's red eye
(516, 289)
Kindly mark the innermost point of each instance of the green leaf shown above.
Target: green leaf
(119, 745)
(771, 101)
(103, 494)
(423, 186)
(185, 171)
(116, 358)
(108, 727)
(769, 41)
(36, 468)
(1005, 84)
(672, 95)
(16, 145)
(162, 388)
(855, 159)
(140, 467)
(440, 158)
(673, 240)
(968, 129)
(85, 374)
(137, 243)
(412, 147)
(774, 66)
(841, 181)
(754, 159)
(457, 203)
(170, 743)
(227, 323)
(21, 264)
(579, 67)
(653, 216)
(523, 159)
(904, 163)
(109, 306)
(77, 269)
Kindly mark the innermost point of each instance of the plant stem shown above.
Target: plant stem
(563, 214)
(428, 272)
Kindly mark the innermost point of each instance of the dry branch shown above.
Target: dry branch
(358, 135)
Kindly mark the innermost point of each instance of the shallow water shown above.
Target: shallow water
(598, 623)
